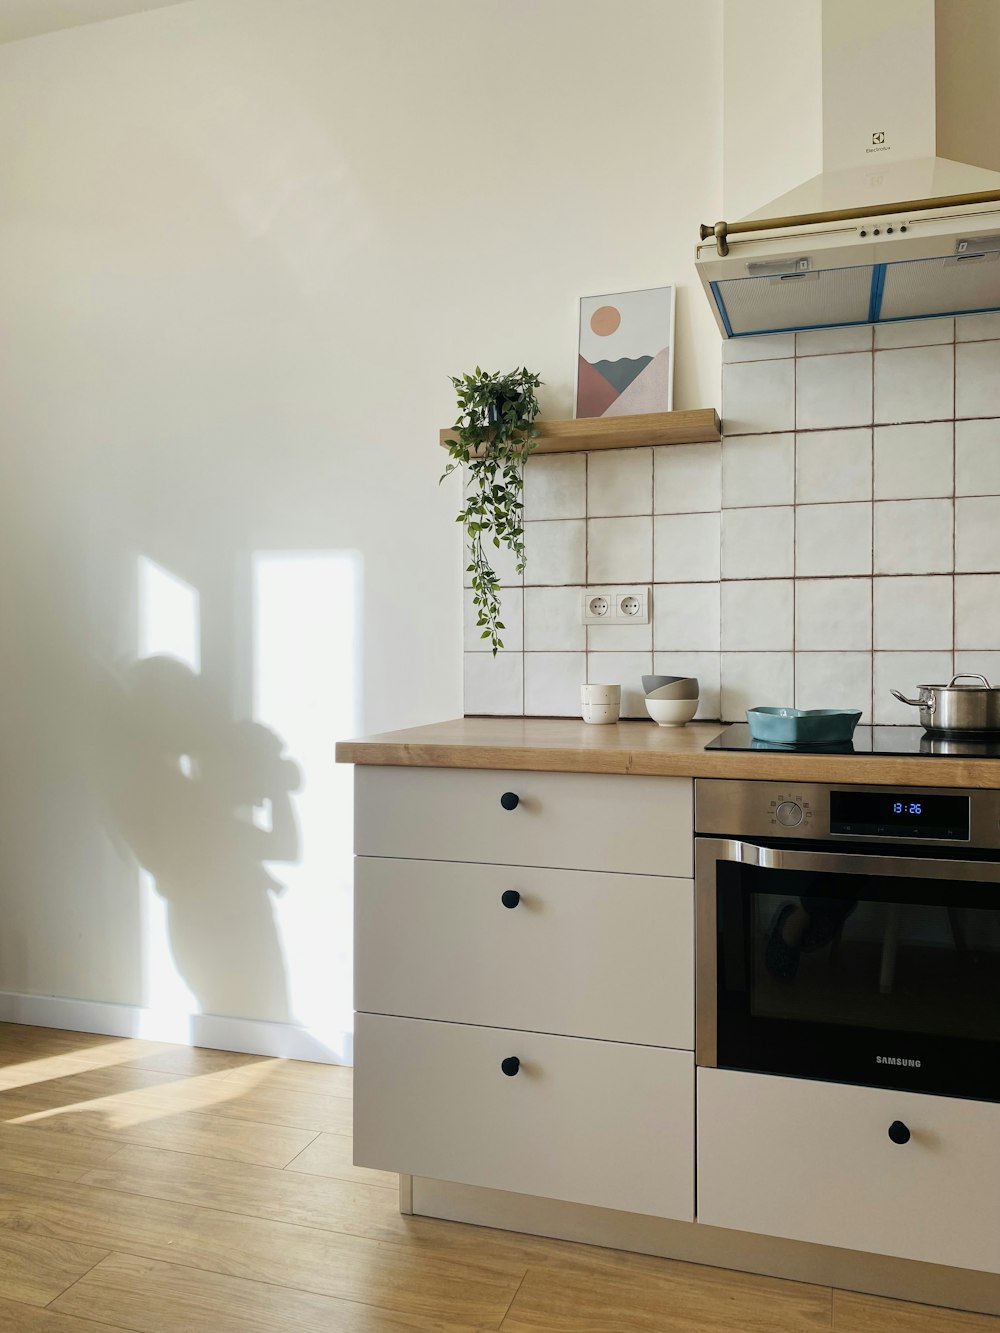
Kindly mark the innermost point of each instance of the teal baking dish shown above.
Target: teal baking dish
(802, 726)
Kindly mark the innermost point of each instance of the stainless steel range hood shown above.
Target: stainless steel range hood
(856, 243)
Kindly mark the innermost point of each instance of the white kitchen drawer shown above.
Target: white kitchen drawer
(572, 821)
(594, 1122)
(582, 953)
(813, 1161)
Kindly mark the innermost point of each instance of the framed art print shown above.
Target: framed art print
(626, 353)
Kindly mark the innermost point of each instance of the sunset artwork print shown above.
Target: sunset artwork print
(626, 361)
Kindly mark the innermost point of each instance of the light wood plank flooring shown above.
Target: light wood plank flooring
(160, 1189)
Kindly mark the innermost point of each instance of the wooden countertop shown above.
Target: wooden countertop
(566, 745)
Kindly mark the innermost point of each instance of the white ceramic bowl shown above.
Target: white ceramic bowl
(671, 712)
(687, 688)
(601, 694)
(600, 712)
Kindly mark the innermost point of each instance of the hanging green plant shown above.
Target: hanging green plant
(494, 434)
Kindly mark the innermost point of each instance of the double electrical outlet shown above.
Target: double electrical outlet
(616, 606)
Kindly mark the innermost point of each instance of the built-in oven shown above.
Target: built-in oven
(850, 933)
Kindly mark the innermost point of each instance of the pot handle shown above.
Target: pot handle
(914, 703)
(970, 675)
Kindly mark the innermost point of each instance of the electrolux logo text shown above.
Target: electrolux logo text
(879, 144)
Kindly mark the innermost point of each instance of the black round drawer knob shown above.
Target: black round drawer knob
(510, 1066)
(510, 800)
(510, 897)
(898, 1132)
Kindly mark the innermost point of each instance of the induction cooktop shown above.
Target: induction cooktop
(871, 740)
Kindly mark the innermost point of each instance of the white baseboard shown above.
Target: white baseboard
(253, 1036)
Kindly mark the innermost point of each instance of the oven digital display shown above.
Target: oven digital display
(890, 814)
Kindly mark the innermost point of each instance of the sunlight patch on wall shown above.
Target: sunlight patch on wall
(307, 688)
(169, 615)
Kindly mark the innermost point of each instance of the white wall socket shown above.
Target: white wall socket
(615, 606)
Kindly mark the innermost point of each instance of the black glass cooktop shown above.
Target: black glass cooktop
(870, 740)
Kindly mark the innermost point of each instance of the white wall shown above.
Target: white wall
(242, 245)
(772, 100)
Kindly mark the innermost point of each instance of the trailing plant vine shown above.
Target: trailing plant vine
(494, 434)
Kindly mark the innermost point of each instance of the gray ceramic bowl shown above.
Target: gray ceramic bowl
(684, 687)
(651, 683)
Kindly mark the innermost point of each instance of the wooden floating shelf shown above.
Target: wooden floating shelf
(698, 425)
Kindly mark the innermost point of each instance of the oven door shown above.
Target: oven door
(854, 968)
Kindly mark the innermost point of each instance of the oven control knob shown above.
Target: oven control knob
(789, 813)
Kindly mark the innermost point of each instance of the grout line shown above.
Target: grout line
(954, 506)
(795, 524)
(871, 594)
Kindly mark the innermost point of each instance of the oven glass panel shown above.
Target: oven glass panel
(898, 967)
(859, 978)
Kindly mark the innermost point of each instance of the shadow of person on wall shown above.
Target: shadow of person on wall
(203, 802)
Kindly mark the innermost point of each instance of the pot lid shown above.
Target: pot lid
(981, 688)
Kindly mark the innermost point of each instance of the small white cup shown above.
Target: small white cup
(599, 712)
(601, 694)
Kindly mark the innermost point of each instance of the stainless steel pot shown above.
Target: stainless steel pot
(955, 708)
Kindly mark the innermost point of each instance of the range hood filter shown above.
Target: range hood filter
(918, 288)
(799, 301)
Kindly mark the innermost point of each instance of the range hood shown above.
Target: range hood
(882, 234)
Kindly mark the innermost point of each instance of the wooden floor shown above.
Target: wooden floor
(169, 1190)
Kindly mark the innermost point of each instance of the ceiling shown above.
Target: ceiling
(29, 18)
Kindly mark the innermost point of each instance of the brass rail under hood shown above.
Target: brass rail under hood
(723, 230)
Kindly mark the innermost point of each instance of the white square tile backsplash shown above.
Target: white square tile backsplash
(833, 465)
(977, 611)
(977, 534)
(687, 478)
(758, 470)
(808, 559)
(495, 684)
(556, 551)
(915, 461)
(758, 616)
(834, 680)
(552, 683)
(833, 614)
(977, 379)
(620, 550)
(913, 613)
(750, 680)
(977, 457)
(915, 333)
(687, 548)
(833, 391)
(914, 536)
(555, 486)
(619, 481)
(758, 397)
(552, 620)
(822, 342)
(833, 540)
(686, 616)
(915, 384)
(758, 543)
